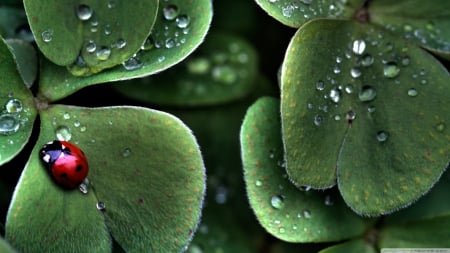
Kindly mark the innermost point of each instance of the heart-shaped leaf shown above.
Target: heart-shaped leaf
(5, 247)
(162, 49)
(146, 184)
(26, 60)
(17, 108)
(282, 209)
(222, 69)
(424, 22)
(426, 233)
(353, 246)
(91, 35)
(296, 13)
(367, 108)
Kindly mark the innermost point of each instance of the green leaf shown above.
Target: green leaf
(353, 246)
(12, 20)
(5, 247)
(57, 83)
(26, 60)
(297, 13)
(17, 111)
(367, 108)
(427, 24)
(285, 211)
(222, 69)
(92, 35)
(425, 233)
(145, 169)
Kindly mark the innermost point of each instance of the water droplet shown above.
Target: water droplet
(84, 12)
(277, 201)
(90, 46)
(320, 85)
(406, 61)
(63, 133)
(367, 60)
(14, 106)
(148, 43)
(101, 206)
(198, 65)
(440, 127)
(107, 30)
(9, 124)
(224, 74)
(382, 136)
(120, 43)
(318, 120)
(66, 115)
(183, 21)
(355, 72)
(349, 89)
(391, 70)
(161, 58)
(83, 187)
(133, 63)
(258, 183)
(83, 129)
(307, 214)
(169, 43)
(359, 46)
(76, 123)
(328, 200)
(111, 4)
(337, 117)
(371, 108)
(170, 12)
(47, 35)
(351, 115)
(335, 95)
(336, 70)
(126, 152)
(367, 93)
(103, 54)
(412, 92)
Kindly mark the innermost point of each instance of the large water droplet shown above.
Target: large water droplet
(101, 206)
(359, 46)
(349, 89)
(183, 21)
(277, 201)
(412, 92)
(391, 70)
(120, 43)
(47, 35)
(320, 85)
(14, 106)
(355, 72)
(63, 133)
(103, 54)
(382, 136)
(133, 63)
(367, 93)
(335, 95)
(170, 12)
(9, 124)
(84, 12)
(90, 46)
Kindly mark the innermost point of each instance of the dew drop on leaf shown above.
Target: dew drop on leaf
(318, 120)
(412, 92)
(47, 35)
(133, 63)
(224, 74)
(382, 136)
(199, 65)
(335, 95)
(277, 201)
(440, 127)
(103, 54)
(101, 206)
(367, 93)
(320, 85)
(183, 21)
(84, 12)
(391, 70)
(307, 214)
(170, 12)
(126, 152)
(14, 106)
(367, 60)
(349, 89)
(90, 46)
(63, 133)
(9, 124)
(355, 72)
(358, 47)
(258, 183)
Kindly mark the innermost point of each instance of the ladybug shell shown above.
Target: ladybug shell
(66, 162)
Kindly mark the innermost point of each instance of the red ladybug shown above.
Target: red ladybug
(66, 162)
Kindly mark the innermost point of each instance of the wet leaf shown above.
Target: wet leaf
(426, 25)
(353, 246)
(12, 22)
(17, 108)
(221, 70)
(425, 233)
(146, 184)
(91, 35)
(161, 53)
(369, 111)
(296, 13)
(285, 211)
(26, 60)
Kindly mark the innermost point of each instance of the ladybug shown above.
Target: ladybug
(66, 163)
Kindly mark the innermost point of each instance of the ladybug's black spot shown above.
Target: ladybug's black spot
(79, 168)
(63, 175)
